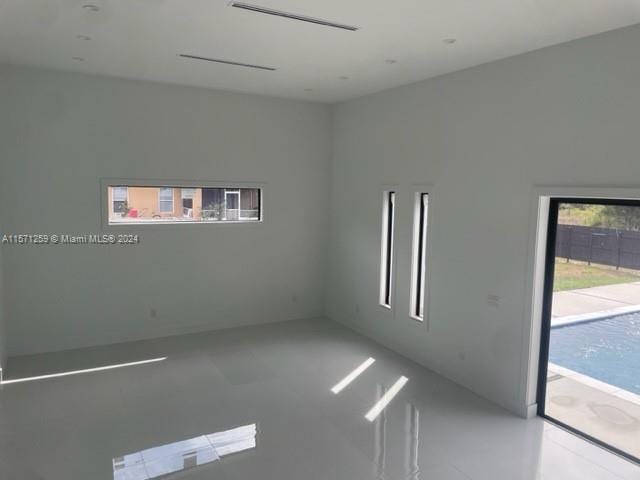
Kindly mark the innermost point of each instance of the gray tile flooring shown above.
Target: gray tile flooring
(279, 377)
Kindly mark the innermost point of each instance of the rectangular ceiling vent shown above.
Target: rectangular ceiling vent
(227, 62)
(292, 16)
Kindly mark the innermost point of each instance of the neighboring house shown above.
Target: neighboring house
(127, 203)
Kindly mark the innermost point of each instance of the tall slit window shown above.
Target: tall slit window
(419, 255)
(386, 264)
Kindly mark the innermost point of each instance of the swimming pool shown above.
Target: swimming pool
(607, 350)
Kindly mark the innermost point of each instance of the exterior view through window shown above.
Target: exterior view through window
(130, 204)
(386, 261)
(419, 255)
(590, 351)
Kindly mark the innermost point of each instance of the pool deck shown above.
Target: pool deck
(601, 410)
(595, 299)
(596, 408)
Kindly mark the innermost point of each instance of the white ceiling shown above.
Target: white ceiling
(142, 39)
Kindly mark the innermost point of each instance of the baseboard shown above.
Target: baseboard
(154, 334)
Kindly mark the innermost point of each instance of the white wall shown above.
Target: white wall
(3, 331)
(484, 138)
(67, 131)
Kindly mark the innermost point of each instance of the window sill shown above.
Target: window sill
(181, 222)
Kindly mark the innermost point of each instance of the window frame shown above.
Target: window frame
(113, 200)
(240, 209)
(104, 204)
(160, 200)
(389, 215)
(549, 217)
(419, 288)
(189, 198)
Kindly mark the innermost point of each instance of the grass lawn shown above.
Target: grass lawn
(574, 275)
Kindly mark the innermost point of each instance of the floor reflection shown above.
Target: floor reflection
(380, 436)
(342, 384)
(182, 455)
(412, 436)
(382, 403)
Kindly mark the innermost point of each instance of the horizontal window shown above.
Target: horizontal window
(132, 204)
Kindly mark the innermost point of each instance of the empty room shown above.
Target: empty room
(319, 240)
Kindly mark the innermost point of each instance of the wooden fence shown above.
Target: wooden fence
(606, 246)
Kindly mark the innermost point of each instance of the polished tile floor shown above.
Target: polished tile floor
(106, 424)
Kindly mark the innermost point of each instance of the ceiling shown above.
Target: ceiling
(398, 41)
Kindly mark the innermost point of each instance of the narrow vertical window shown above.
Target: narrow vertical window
(386, 266)
(166, 199)
(119, 199)
(419, 255)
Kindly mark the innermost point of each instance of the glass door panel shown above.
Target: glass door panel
(590, 356)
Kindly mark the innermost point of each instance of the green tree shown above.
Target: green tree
(623, 217)
(607, 216)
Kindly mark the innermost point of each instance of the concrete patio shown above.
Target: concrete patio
(596, 408)
(603, 411)
(595, 299)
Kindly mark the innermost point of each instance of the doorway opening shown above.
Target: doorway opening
(589, 373)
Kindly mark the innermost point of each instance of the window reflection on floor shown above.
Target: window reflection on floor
(182, 455)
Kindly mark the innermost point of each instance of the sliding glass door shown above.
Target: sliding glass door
(590, 351)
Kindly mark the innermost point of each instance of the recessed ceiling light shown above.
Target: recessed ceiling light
(344, 77)
(390, 61)
(77, 59)
(83, 37)
(449, 40)
(91, 7)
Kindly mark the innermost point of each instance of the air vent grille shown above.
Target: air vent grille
(227, 62)
(292, 16)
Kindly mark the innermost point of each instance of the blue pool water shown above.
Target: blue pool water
(607, 350)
